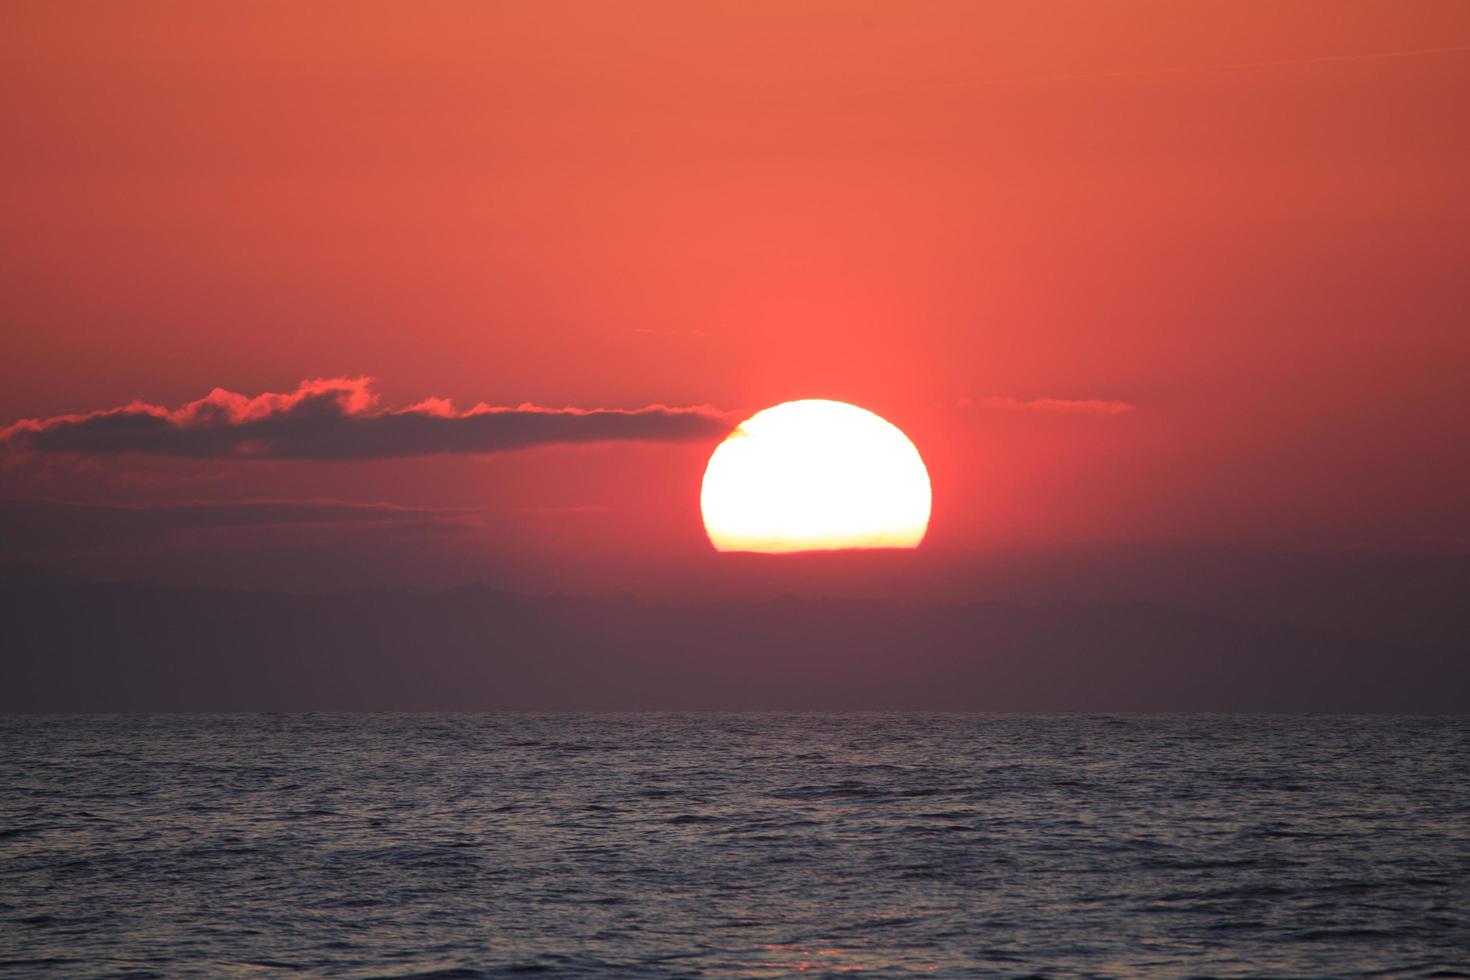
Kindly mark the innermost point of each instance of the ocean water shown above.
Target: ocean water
(749, 845)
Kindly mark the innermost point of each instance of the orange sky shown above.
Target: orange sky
(1218, 214)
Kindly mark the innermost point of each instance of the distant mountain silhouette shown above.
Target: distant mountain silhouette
(122, 647)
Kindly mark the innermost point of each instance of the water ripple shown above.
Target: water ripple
(762, 845)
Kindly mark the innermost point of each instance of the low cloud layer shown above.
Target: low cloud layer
(339, 418)
(186, 515)
(1067, 406)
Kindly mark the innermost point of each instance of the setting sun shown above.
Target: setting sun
(815, 475)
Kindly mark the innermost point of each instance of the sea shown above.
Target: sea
(734, 845)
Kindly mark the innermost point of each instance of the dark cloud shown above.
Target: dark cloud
(47, 529)
(339, 418)
(192, 514)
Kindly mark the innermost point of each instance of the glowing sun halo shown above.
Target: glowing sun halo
(815, 475)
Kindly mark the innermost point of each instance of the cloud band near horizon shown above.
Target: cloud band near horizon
(339, 419)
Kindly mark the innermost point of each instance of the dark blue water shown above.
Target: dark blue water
(734, 845)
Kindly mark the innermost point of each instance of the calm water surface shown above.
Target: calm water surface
(734, 845)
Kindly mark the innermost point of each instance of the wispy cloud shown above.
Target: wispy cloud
(46, 530)
(340, 418)
(1071, 406)
(229, 513)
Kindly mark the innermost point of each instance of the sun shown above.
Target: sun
(815, 475)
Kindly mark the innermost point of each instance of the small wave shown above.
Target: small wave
(23, 831)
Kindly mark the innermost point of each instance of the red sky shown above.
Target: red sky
(1250, 223)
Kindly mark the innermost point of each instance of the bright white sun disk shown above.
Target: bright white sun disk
(815, 475)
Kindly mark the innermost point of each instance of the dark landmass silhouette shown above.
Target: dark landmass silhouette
(72, 647)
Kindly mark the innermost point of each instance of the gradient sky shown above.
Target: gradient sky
(1128, 274)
